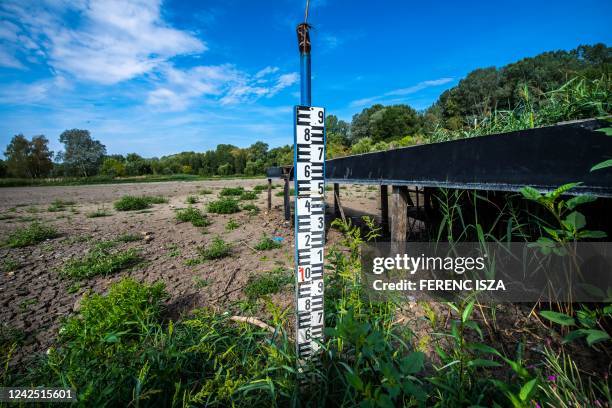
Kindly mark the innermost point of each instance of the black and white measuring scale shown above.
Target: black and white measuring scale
(309, 179)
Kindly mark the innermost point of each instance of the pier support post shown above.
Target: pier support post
(384, 210)
(399, 213)
(336, 198)
(286, 200)
(269, 195)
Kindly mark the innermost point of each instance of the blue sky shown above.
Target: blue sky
(159, 77)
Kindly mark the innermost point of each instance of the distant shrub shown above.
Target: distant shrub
(31, 235)
(232, 191)
(217, 249)
(224, 206)
(266, 243)
(194, 216)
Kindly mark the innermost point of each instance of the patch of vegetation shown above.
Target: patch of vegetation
(282, 192)
(60, 205)
(262, 187)
(10, 265)
(129, 238)
(224, 206)
(31, 235)
(174, 250)
(133, 203)
(248, 195)
(267, 283)
(205, 191)
(191, 199)
(6, 217)
(266, 243)
(100, 261)
(99, 212)
(200, 282)
(194, 216)
(231, 225)
(216, 250)
(231, 191)
(252, 209)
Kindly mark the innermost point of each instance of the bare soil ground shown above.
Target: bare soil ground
(34, 298)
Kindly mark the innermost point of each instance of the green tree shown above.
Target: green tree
(112, 167)
(18, 159)
(82, 155)
(41, 158)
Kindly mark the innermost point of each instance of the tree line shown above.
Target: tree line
(533, 82)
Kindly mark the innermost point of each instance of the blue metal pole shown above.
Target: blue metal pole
(305, 78)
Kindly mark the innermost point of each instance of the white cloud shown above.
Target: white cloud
(400, 92)
(224, 83)
(109, 41)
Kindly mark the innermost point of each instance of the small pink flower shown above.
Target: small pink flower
(552, 378)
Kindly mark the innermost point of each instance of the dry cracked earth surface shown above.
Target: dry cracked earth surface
(34, 297)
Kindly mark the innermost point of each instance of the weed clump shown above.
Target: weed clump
(100, 212)
(60, 205)
(100, 261)
(31, 235)
(252, 209)
(128, 238)
(282, 192)
(206, 191)
(218, 249)
(231, 191)
(224, 206)
(194, 216)
(231, 225)
(133, 203)
(267, 283)
(191, 199)
(266, 243)
(248, 195)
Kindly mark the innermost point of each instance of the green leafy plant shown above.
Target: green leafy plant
(133, 203)
(266, 243)
(248, 195)
(10, 265)
(216, 250)
(100, 261)
(231, 225)
(60, 205)
(251, 209)
(267, 283)
(224, 206)
(99, 212)
(587, 324)
(194, 216)
(31, 235)
(231, 191)
(191, 199)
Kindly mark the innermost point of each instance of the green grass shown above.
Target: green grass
(282, 192)
(231, 191)
(99, 212)
(133, 203)
(10, 265)
(252, 209)
(231, 225)
(100, 261)
(266, 243)
(129, 238)
(224, 206)
(60, 205)
(216, 250)
(248, 195)
(263, 187)
(267, 283)
(191, 199)
(205, 191)
(200, 282)
(31, 235)
(194, 216)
